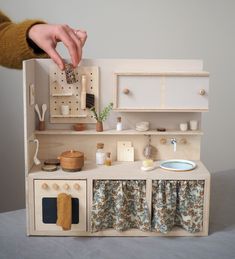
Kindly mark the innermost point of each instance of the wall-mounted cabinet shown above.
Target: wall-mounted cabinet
(172, 91)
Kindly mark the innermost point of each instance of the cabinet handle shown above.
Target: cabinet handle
(126, 91)
(44, 186)
(163, 141)
(202, 92)
(66, 186)
(183, 141)
(55, 186)
(76, 186)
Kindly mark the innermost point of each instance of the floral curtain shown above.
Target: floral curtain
(120, 205)
(177, 203)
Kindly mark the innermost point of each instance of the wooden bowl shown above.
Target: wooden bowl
(79, 126)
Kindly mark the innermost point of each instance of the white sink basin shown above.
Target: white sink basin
(178, 165)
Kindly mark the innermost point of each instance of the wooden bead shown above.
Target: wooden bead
(183, 141)
(202, 92)
(76, 186)
(66, 186)
(55, 186)
(126, 91)
(44, 186)
(163, 141)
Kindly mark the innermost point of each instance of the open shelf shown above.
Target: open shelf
(114, 132)
(69, 116)
(62, 95)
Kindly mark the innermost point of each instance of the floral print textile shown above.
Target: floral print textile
(119, 204)
(122, 205)
(177, 203)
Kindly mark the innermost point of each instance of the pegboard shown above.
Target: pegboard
(62, 93)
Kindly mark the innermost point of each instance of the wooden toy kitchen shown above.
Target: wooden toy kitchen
(141, 175)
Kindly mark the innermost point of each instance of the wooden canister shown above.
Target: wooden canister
(72, 161)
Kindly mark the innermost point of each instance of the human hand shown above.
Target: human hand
(46, 37)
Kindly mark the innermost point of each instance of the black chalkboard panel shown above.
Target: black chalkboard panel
(49, 210)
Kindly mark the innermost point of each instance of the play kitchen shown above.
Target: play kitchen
(112, 148)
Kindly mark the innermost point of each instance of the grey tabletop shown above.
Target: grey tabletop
(220, 244)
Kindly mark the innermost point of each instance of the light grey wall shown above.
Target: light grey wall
(185, 29)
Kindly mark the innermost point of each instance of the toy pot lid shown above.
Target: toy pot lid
(72, 154)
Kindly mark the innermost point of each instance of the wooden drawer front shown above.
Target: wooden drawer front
(186, 92)
(144, 92)
(46, 190)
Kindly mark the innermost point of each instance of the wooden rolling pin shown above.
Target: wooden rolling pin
(83, 93)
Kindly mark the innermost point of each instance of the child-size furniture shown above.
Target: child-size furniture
(120, 200)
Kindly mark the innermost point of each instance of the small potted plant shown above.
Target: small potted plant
(102, 116)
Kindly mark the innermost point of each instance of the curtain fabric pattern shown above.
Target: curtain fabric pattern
(177, 203)
(120, 205)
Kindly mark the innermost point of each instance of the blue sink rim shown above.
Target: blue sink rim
(183, 165)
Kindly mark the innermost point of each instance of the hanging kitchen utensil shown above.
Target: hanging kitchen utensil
(83, 93)
(90, 100)
(35, 157)
(148, 150)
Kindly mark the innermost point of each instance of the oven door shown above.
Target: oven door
(46, 192)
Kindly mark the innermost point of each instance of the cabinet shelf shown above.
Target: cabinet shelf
(69, 116)
(114, 132)
(62, 95)
(158, 110)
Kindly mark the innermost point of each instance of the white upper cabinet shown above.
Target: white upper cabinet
(170, 91)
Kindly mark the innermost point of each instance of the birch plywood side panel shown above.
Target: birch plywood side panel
(29, 113)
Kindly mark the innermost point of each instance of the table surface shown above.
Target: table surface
(220, 244)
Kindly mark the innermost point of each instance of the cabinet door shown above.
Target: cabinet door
(186, 92)
(138, 92)
(46, 192)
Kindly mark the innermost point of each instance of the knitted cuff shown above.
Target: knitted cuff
(28, 47)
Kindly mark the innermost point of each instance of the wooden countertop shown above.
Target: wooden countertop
(122, 170)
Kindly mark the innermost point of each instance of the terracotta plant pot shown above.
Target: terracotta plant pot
(99, 126)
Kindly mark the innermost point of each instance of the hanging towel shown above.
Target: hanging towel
(64, 211)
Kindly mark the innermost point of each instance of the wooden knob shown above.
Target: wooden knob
(126, 91)
(202, 92)
(44, 186)
(183, 141)
(55, 186)
(66, 186)
(76, 186)
(163, 141)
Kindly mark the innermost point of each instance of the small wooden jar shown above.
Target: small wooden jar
(71, 161)
(42, 125)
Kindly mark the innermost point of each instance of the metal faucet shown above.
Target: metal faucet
(174, 142)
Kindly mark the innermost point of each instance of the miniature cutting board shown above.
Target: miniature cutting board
(125, 151)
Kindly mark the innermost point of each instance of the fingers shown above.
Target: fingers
(67, 36)
(78, 44)
(82, 35)
(56, 57)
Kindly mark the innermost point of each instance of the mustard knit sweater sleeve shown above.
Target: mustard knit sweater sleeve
(14, 45)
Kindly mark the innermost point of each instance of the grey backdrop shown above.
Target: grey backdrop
(184, 29)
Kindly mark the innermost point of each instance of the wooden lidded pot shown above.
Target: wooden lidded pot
(71, 161)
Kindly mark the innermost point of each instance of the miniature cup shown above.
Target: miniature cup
(193, 124)
(42, 125)
(184, 126)
(64, 109)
